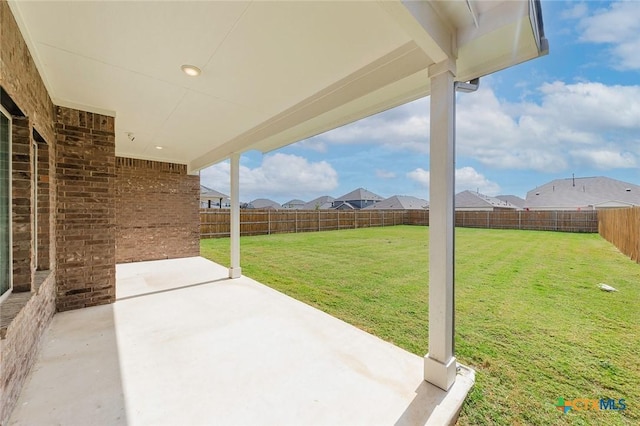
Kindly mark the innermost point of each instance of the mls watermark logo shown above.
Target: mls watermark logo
(584, 404)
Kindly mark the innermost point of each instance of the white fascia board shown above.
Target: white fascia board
(423, 24)
(83, 107)
(492, 20)
(403, 62)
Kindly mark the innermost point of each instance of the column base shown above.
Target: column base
(440, 374)
(235, 272)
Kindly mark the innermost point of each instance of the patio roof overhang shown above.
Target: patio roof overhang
(273, 73)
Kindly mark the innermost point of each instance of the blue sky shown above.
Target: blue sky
(576, 110)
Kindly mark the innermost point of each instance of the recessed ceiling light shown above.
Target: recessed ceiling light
(159, 147)
(191, 70)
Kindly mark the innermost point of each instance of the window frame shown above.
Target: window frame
(6, 294)
(34, 198)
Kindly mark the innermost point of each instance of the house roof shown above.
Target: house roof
(322, 203)
(400, 202)
(343, 205)
(264, 203)
(294, 204)
(206, 192)
(324, 206)
(513, 199)
(273, 73)
(469, 199)
(583, 192)
(360, 194)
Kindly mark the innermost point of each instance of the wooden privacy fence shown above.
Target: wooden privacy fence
(621, 227)
(215, 223)
(556, 220)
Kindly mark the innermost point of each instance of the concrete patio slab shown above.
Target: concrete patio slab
(184, 345)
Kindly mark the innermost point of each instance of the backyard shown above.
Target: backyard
(530, 318)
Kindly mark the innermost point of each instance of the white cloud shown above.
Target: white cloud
(385, 174)
(567, 126)
(603, 159)
(469, 178)
(576, 11)
(575, 118)
(466, 178)
(405, 128)
(420, 176)
(279, 175)
(312, 144)
(592, 107)
(619, 27)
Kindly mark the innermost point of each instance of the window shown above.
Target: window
(5, 205)
(41, 216)
(34, 198)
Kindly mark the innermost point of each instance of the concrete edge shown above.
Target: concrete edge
(447, 412)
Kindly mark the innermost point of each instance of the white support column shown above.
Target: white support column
(440, 363)
(235, 271)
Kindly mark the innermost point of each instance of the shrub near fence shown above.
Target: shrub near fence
(621, 227)
(215, 223)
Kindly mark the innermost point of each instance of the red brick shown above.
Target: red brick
(84, 209)
(157, 214)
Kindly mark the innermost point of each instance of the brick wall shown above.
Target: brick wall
(20, 344)
(25, 314)
(19, 76)
(85, 222)
(157, 211)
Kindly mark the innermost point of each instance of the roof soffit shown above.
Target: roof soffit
(272, 73)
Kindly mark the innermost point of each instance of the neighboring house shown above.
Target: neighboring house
(588, 193)
(294, 204)
(343, 205)
(321, 203)
(263, 203)
(513, 199)
(400, 202)
(475, 201)
(210, 198)
(358, 199)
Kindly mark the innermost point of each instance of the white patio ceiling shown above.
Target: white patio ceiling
(273, 73)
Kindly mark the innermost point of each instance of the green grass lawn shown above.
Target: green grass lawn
(530, 318)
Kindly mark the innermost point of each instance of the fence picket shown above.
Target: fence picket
(215, 223)
(621, 227)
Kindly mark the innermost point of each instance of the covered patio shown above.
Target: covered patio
(109, 111)
(184, 344)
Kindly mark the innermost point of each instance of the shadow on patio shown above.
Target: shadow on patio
(185, 345)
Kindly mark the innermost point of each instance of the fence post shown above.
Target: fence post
(296, 221)
(556, 217)
(269, 222)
